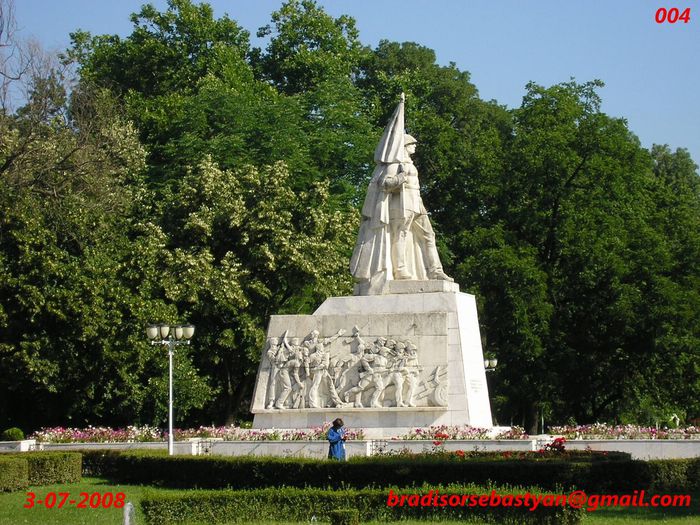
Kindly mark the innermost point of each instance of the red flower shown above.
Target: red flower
(437, 443)
(460, 453)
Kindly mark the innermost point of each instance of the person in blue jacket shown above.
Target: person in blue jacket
(336, 438)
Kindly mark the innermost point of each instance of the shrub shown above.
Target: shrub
(12, 434)
(591, 472)
(344, 517)
(670, 475)
(49, 468)
(694, 475)
(301, 505)
(13, 474)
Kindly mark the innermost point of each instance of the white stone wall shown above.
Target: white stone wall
(17, 446)
(644, 449)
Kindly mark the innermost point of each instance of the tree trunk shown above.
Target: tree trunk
(531, 418)
(234, 397)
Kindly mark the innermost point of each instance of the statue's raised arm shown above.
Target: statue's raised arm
(396, 239)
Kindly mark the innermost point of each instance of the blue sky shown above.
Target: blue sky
(651, 71)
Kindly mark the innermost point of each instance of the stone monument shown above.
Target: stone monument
(405, 350)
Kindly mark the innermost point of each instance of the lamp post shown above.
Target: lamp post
(490, 366)
(164, 334)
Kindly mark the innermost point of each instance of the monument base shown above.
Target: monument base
(408, 286)
(442, 325)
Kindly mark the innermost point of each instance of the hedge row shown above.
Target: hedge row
(247, 472)
(302, 505)
(14, 474)
(50, 468)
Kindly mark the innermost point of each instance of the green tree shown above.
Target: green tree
(575, 232)
(227, 120)
(167, 52)
(315, 59)
(308, 47)
(215, 183)
(73, 301)
(245, 245)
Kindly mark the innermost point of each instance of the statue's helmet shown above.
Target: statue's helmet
(409, 139)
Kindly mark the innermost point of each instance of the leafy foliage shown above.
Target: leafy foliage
(13, 474)
(12, 434)
(186, 175)
(369, 504)
(50, 468)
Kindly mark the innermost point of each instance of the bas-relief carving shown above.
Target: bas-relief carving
(355, 374)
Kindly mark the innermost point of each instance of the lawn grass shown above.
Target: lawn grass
(648, 515)
(12, 511)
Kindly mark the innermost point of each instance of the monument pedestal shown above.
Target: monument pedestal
(444, 377)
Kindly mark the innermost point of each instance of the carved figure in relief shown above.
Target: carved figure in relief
(373, 368)
(378, 344)
(365, 379)
(273, 349)
(319, 364)
(412, 370)
(289, 362)
(305, 374)
(347, 368)
(397, 372)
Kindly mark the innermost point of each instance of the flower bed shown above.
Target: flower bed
(443, 432)
(98, 435)
(604, 431)
(248, 434)
(134, 434)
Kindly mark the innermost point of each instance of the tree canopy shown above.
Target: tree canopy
(186, 175)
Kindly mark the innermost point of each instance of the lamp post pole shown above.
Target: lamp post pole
(171, 439)
(163, 334)
(489, 366)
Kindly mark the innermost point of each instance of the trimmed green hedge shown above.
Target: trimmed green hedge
(14, 474)
(50, 468)
(344, 517)
(674, 475)
(293, 504)
(616, 474)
